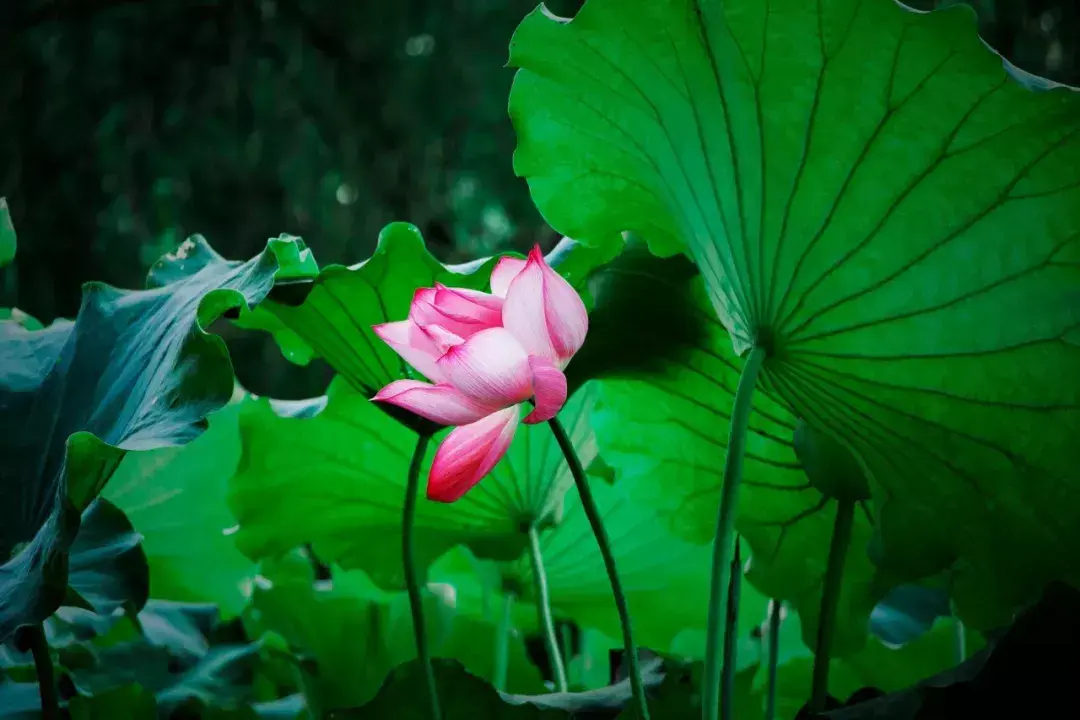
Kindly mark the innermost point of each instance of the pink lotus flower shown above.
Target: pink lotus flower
(486, 355)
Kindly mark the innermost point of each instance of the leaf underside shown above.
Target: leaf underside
(872, 199)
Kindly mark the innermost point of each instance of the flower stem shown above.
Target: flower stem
(39, 647)
(543, 610)
(727, 684)
(830, 599)
(725, 533)
(593, 514)
(412, 582)
(502, 643)
(775, 607)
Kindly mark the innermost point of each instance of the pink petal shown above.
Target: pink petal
(491, 367)
(549, 384)
(469, 453)
(462, 312)
(422, 295)
(544, 312)
(416, 347)
(439, 403)
(443, 339)
(445, 295)
(505, 271)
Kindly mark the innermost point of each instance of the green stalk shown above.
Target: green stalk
(775, 607)
(502, 643)
(725, 533)
(727, 684)
(412, 582)
(602, 540)
(39, 648)
(543, 610)
(830, 599)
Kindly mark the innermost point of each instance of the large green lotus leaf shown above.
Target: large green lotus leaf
(176, 499)
(880, 207)
(7, 234)
(337, 480)
(331, 316)
(666, 433)
(134, 371)
(350, 634)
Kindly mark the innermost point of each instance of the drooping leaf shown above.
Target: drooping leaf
(134, 371)
(107, 565)
(665, 433)
(877, 204)
(337, 480)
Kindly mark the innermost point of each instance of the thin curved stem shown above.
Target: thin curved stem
(588, 504)
(725, 532)
(830, 599)
(39, 648)
(727, 683)
(543, 610)
(502, 643)
(412, 582)
(775, 615)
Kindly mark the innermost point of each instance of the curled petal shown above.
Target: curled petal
(549, 386)
(491, 367)
(544, 312)
(464, 300)
(443, 339)
(469, 453)
(417, 347)
(456, 313)
(505, 271)
(424, 295)
(442, 404)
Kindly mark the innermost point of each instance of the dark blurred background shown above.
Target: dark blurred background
(127, 126)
